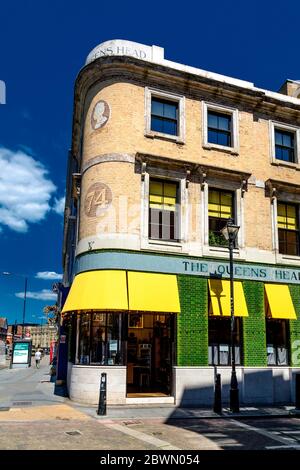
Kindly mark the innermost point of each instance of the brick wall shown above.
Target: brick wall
(295, 327)
(124, 133)
(192, 322)
(254, 326)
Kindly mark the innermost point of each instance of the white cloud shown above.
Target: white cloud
(59, 205)
(25, 190)
(48, 275)
(44, 294)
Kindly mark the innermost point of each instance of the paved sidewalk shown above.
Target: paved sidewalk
(32, 388)
(36, 414)
(171, 412)
(28, 387)
(41, 413)
(5, 364)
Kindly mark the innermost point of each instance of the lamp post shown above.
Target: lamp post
(230, 232)
(6, 273)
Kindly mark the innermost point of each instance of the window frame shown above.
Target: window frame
(177, 211)
(277, 346)
(239, 210)
(290, 148)
(214, 347)
(165, 96)
(220, 109)
(160, 245)
(234, 215)
(274, 125)
(226, 132)
(297, 211)
(162, 118)
(87, 343)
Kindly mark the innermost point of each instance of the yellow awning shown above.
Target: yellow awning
(279, 302)
(98, 290)
(220, 298)
(151, 292)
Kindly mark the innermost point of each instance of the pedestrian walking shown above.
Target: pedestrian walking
(38, 356)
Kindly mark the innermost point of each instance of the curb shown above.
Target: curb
(239, 416)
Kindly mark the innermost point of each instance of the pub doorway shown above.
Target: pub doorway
(150, 351)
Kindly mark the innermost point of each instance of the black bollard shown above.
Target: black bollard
(102, 395)
(297, 391)
(218, 395)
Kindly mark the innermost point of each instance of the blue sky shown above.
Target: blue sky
(43, 44)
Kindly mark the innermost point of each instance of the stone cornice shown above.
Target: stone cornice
(274, 187)
(195, 171)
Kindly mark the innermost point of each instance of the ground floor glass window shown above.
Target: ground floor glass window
(277, 342)
(219, 341)
(100, 339)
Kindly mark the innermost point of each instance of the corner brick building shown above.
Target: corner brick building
(162, 155)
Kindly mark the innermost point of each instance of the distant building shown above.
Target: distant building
(3, 335)
(3, 329)
(15, 330)
(41, 335)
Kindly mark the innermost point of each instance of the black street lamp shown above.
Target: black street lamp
(5, 273)
(230, 232)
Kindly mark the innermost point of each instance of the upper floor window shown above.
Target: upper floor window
(220, 208)
(288, 229)
(163, 210)
(284, 145)
(164, 116)
(219, 128)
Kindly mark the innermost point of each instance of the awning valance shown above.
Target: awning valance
(153, 292)
(98, 290)
(121, 290)
(220, 298)
(279, 302)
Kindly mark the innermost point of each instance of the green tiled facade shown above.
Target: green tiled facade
(295, 327)
(192, 322)
(254, 326)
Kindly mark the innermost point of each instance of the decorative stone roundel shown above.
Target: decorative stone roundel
(100, 115)
(98, 198)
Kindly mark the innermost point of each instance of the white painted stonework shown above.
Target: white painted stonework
(155, 54)
(84, 383)
(192, 386)
(126, 48)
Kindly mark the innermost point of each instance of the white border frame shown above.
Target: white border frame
(207, 106)
(288, 199)
(209, 250)
(296, 130)
(161, 245)
(180, 99)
